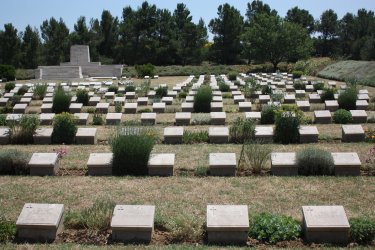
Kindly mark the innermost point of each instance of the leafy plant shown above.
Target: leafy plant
(97, 119)
(131, 149)
(266, 90)
(40, 91)
(203, 99)
(9, 86)
(182, 95)
(22, 131)
(8, 230)
(255, 155)
(191, 137)
(114, 88)
(313, 161)
(272, 228)
(297, 74)
(362, 229)
(14, 162)
(83, 96)
(347, 99)
(299, 85)
(64, 128)
(286, 127)
(328, 94)
(223, 87)
(232, 76)
(319, 86)
(118, 107)
(161, 92)
(242, 130)
(342, 116)
(61, 101)
(21, 91)
(145, 70)
(3, 119)
(268, 114)
(7, 72)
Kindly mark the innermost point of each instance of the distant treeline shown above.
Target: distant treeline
(152, 35)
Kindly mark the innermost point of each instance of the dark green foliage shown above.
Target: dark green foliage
(40, 91)
(313, 161)
(298, 85)
(362, 229)
(64, 128)
(191, 137)
(266, 90)
(96, 217)
(319, 86)
(202, 100)
(131, 149)
(15, 99)
(118, 107)
(113, 88)
(297, 74)
(83, 96)
(14, 162)
(61, 101)
(97, 119)
(342, 116)
(145, 110)
(3, 120)
(347, 99)
(286, 127)
(242, 130)
(22, 131)
(8, 108)
(223, 87)
(161, 92)
(7, 72)
(130, 88)
(145, 70)
(232, 76)
(328, 94)
(182, 95)
(8, 230)
(272, 228)
(9, 86)
(268, 114)
(21, 91)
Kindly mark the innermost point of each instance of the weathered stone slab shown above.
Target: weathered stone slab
(173, 135)
(167, 100)
(82, 118)
(331, 105)
(46, 108)
(46, 118)
(161, 164)
(86, 136)
(217, 107)
(264, 99)
(129, 95)
(113, 118)
(284, 164)
(244, 106)
(148, 118)
(253, 115)
(93, 101)
(264, 133)
(300, 93)
(288, 99)
(75, 108)
(182, 118)
(20, 108)
(314, 98)
(361, 105)
(325, 224)
(40, 222)
(13, 117)
(158, 107)
(238, 98)
(322, 117)
(222, 164)
(43, 136)
(187, 107)
(142, 101)
(217, 99)
(303, 105)
(4, 135)
(347, 164)
(100, 164)
(308, 134)
(217, 118)
(359, 116)
(133, 223)
(43, 164)
(130, 108)
(3, 101)
(102, 107)
(352, 133)
(218, 134)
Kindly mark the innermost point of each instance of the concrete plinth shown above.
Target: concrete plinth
(222, 164)
(284, 164)
(43, 164)
(86, 136)
(100, 164)
(218, 134)
(161, 164)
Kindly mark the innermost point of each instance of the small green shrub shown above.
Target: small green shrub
(21, 91)
(145, 70)
(14, 162)
(202, 100)
(266, 90)
(114, 88)
(268, 114)
(130, 88)
(201, 171)
(3, 120)
(256, 155)
(8, 230)
(9, 86)
(297, 74)
(145, 110)
(201, 119)
(313, 161)
(15, 99)
(347, 99)
(22, 131)
(286, 127)
(191, 137)
(232, 76)
(299, 85)
(242, 130)
(91, 110)
(97, 217)
(8, 108)
(61, 101)
(131, 149)
(118, 107)
(227, 95)
(161, 92)
(328, 94)
(7, 72)
(319, 86)
(97, 119)
(40, 91)
(64, 128)
(272, 228)
(342, 116)
(182, 95)
(83, 96)
(223, 87)
(277, 97)
(362, 230)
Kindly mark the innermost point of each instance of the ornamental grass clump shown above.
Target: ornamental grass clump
(242, 130)
(14, 162)
(61, 101)
(22, 131)
(287, 125)
(202, 100)
(313, 161)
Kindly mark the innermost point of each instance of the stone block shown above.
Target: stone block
(133, 223)
(20, 108)
(86, 136)
(284, 164)
(352, 133)
(303, 105)
(314, 98)
(43, 136)
(46, 108)
(173, 135)
(161, 164)
(361, 105)
(264, 133)
(43, 164)
(102, 107)
(227, 224)
(182, 118)
(289, 99)
(4, 136)
(158, 107)
(308, 134)
(217, 118)
(13, 117)
(187, 107)
(325, 224)
(189, 99)
(81, 118)
(142, 101)
(238, 98)
(100, 164)
(264, 99)
(217, 99)
(113, 118)
(46, 118)
(40, 222)
(93, 101)
(25, 100)
(300, 93)
(218, 134)
(130, 95)
(359, 116)
(222, 164)
(216, 107)
(347, 164)
(75, 108)
(331, 105)
(130, 108)
(244, 106)
(322, 117)
(109, 95)
(167, 100)
(309, 88)
(3, 101)
(253, 115)
(148, 118)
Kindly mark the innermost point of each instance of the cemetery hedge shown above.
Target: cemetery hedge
(202, 100)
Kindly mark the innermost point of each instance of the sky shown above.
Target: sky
(23, 12)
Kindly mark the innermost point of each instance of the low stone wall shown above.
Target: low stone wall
(102, 71)
(58, 72)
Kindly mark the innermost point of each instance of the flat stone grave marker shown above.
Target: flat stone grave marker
(109, 95)
(167, 100)
(222, 164)
(238, 98)
(325, 224)
(40, 222)
(264, 133)
(102, 107)
(3, 101)
(4, 135)
(46, 118)
(347, 163)
(19, 108)
(43, 164)
(244, 106)
(119, 99)
(361, 105)
(300, 93)
(158, 107)
(264, 99)
(161, 164)
(189, 99)
(289, 98)
(217, 118)
(303, 105)
(308, 134)
(25, 100)
(130, 95)
(284, 164)
(253, 115)
(314, 98)
(182, 118)
(75, 108)
(359, 116)
(47, 100)
(100, 164)
(113, 118)
(217, 99)
(46, 108)
(93, 101)
(352, 133)
(218, 134)
(331, 105)
(86, 136)
(227, 224)
(322, 116)
(142, 101)
(172, 93)
(173, 135)
(43, 136)
(309, 88)
(82, 118)
(13, 117)
(363, 97)
(187, 107)
(130, 108)
(133, 223)
(217, 107)
(148, 118)
(151, 94)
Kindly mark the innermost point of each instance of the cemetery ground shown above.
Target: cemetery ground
(181, 199)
